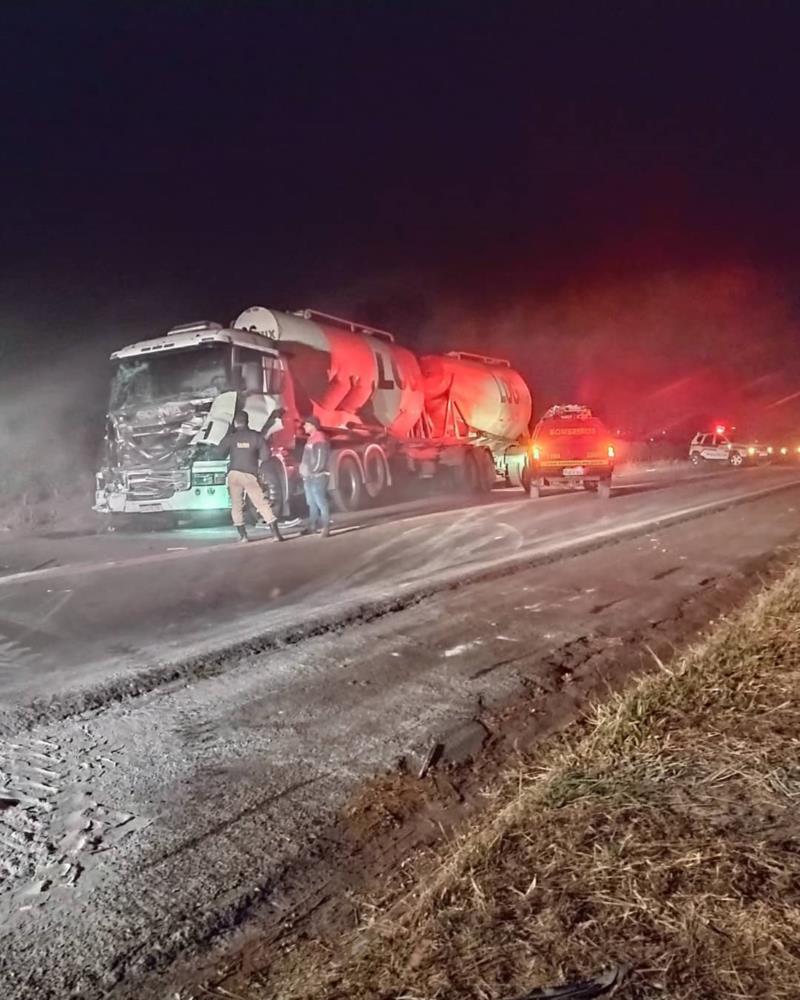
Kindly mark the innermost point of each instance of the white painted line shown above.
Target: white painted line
(546, 542)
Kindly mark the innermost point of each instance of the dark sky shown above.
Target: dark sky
(428, 166)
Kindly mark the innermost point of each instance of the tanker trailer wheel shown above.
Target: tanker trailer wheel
(471, 474)
(525, 478)
(486, 473)
(348, 488)
(376, 473)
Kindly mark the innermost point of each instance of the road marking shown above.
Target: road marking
(657, 519)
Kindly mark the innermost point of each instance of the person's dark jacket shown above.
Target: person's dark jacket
(316, 455)
(247, 449)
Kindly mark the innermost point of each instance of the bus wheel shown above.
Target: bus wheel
(349, 488)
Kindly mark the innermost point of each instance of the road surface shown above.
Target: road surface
(173, 807)
(82, 618)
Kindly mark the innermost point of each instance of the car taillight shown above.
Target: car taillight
(611, 451)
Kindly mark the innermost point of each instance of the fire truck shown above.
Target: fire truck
(458, 420)
(571, 447)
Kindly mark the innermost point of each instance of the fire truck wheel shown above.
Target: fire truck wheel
(349, 488)
(535, 489)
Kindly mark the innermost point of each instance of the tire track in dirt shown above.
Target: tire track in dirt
(52, 827)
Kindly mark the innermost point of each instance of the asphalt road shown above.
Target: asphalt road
(79, 612)
(144, 829)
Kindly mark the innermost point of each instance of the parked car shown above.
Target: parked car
(718, 447)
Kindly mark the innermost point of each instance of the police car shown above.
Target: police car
(718, 447)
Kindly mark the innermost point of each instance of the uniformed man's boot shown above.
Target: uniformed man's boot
(276, 533)
(242, 533)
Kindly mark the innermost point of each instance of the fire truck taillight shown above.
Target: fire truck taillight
(611, 452)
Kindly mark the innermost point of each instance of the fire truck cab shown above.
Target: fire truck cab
(571, 447)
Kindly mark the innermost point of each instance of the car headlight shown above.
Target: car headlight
(769, 450)
(751, 450)
(784, 451)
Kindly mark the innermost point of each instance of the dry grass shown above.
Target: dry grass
(665, 836)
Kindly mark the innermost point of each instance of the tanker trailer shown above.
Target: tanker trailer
(482, 400)
(455, 419)
(364, 388)
(173, 399)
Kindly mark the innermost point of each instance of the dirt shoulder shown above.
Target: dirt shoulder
(661, 835)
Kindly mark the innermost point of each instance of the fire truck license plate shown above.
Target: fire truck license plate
(576, 471)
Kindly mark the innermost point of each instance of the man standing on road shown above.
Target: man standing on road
(314, 471)
(247, 450)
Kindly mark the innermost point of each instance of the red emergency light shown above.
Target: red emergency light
(719, 429)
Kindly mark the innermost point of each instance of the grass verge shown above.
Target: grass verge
(664, 835)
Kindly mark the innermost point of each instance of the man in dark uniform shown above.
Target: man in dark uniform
(247, 450)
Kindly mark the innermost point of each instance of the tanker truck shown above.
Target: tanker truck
(459, 420)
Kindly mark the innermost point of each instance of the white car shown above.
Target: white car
(719, 448)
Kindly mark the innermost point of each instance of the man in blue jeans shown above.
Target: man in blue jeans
(314, 471)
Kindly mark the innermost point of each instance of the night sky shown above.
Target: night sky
(604, 192)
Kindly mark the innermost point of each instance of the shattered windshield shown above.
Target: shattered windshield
(173, 375)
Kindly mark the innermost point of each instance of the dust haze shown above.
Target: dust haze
(657, 354)
(654, 355)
